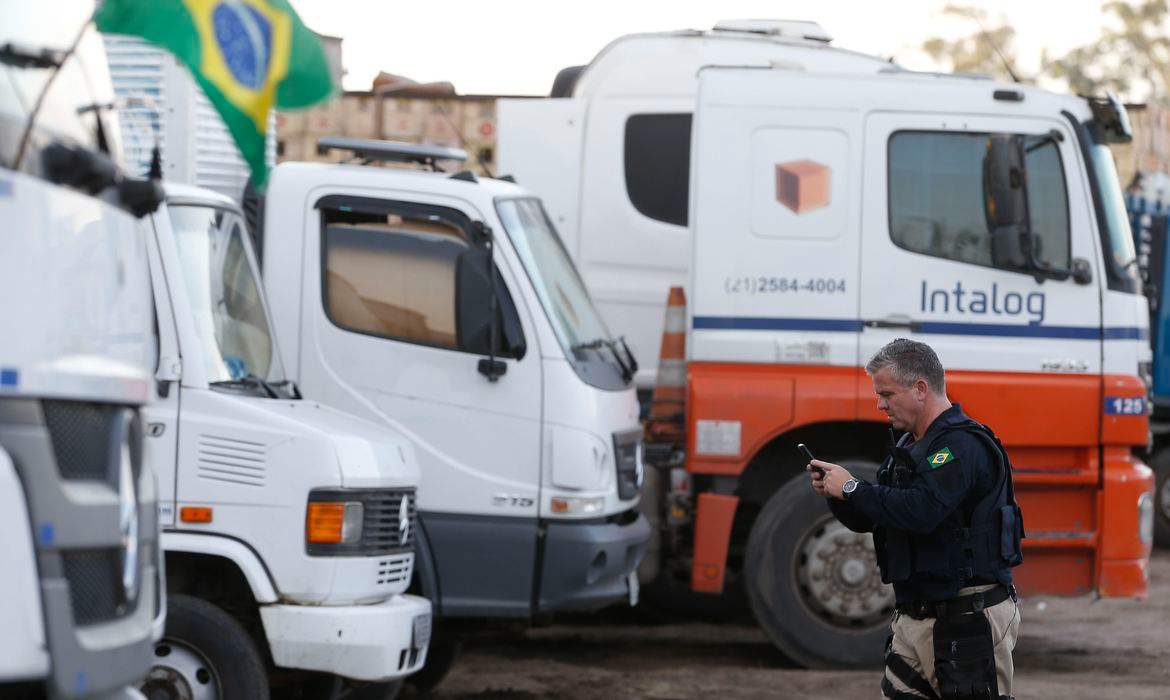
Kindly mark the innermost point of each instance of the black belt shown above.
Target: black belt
(961, 605)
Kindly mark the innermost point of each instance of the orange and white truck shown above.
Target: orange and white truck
(817, 203)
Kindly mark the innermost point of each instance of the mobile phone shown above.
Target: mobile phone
(808, 453)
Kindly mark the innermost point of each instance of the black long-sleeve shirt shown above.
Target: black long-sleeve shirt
(954, 470)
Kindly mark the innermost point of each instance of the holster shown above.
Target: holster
(964, 658)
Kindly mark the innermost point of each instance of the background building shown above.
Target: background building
(396, 109)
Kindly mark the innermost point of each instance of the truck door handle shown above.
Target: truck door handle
(894, 322)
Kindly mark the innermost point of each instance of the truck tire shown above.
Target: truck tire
(813, 585)
(1160, 463)
(204, 655)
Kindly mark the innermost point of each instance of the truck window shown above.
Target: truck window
(395, 279)
(562, 293)
(658, 165)
(936, 197)
(392, 274)
(224, 293)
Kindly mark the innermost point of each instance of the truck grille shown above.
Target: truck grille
(394, 570)
(95, 585)
(382, 526)
(83, 436)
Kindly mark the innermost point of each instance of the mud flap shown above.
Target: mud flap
(964, 658)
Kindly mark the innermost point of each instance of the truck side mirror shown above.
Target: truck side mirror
(1005, 201)
(140, 196)
(473, 291)
(472, 302)
(1005, 204)
(93, 171)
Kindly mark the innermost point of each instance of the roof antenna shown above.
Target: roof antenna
(995, 47)
(463, 142)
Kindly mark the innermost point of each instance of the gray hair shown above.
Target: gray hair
(909, 361)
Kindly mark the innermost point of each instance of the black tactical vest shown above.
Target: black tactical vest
(959, 549)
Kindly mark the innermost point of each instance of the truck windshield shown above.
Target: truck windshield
(562, 293)
(226, 303)
(1121, 257)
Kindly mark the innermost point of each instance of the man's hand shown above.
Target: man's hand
(834, 478)
(818, 477)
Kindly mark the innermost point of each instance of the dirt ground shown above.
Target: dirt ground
(1069, 648)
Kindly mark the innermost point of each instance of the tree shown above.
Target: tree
(1132, 57)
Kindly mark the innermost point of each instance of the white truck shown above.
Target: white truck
(80, 598)
(447, 308)
(818, 203)
(288, 527)
(610, 155)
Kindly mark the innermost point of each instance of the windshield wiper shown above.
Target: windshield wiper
(628, 365)
(594, 344)
(251, 381)
(627, 370)
(295, 390)
(629, 355)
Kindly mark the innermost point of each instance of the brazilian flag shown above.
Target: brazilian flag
(248, 56)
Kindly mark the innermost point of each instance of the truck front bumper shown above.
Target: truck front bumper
(588, 566)
(1126, 542)
(376, 642)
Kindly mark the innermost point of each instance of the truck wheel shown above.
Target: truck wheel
(813, 585)
(1160, 463)
(204, 655)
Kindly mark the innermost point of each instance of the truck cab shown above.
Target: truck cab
(446, 307)
(80, 598)
(288, 527)
(834, 202)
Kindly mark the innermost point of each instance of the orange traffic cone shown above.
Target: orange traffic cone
(668, 403)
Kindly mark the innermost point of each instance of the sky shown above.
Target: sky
(516, 47)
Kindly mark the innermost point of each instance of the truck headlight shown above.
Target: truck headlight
(576, 506)
(1146, 517)
(334, 522)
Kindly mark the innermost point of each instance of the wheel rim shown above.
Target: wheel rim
(838, 578)
(1164, 499)
(180, 672)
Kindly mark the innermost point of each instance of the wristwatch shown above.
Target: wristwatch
(848, 488)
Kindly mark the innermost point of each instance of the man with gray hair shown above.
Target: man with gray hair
(946, 530)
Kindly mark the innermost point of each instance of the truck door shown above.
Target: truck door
(403, 325)
(1022, 351)
(775, 195)
(1012, 340)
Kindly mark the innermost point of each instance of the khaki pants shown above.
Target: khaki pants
(914, 642)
